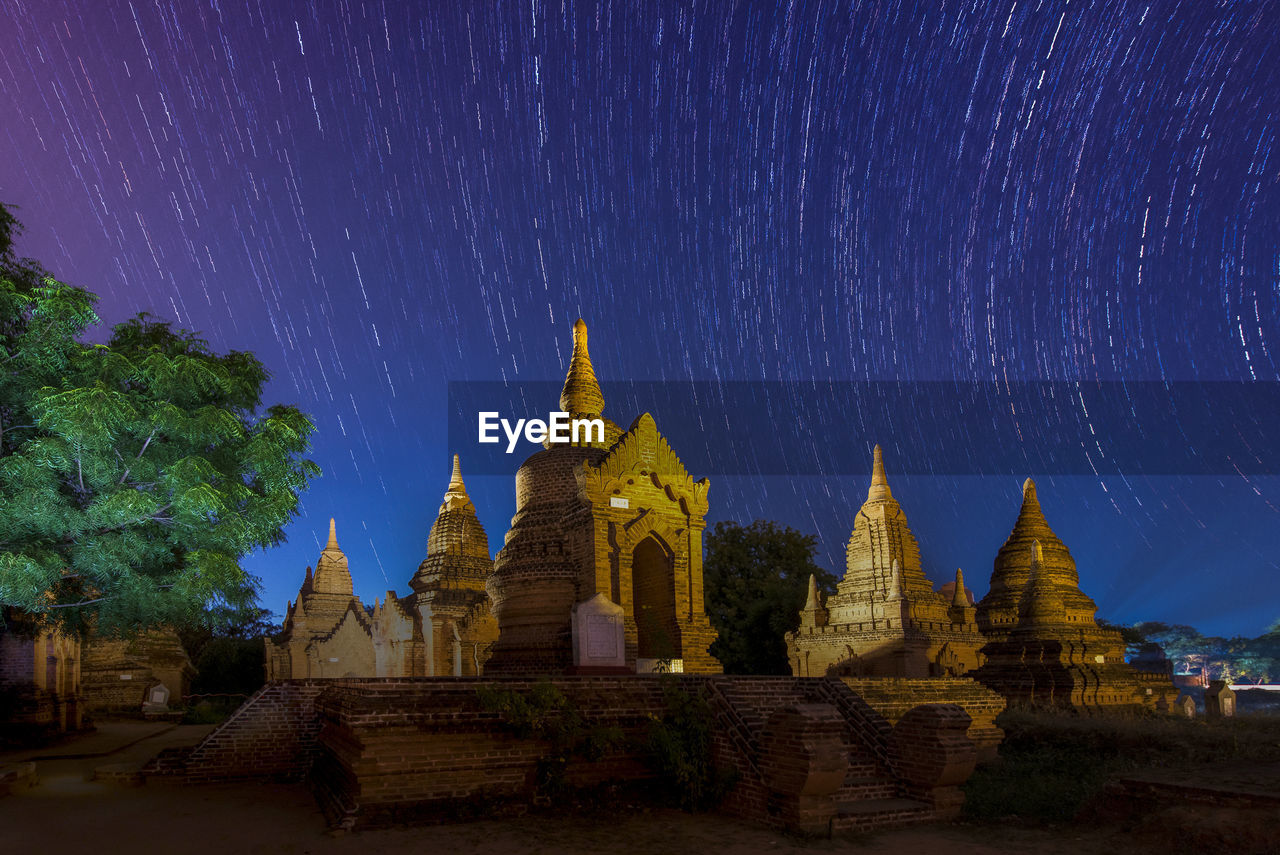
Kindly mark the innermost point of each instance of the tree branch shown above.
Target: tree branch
(154, 517)
(139, 455)
(81, 603)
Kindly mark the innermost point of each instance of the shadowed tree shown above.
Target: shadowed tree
(755, 579)
(133, 475)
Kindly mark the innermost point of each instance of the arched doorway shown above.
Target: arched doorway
(653, 599)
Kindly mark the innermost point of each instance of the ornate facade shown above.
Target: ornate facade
(618, 516)
(885, 619)
(1044, 644)
(442, 628)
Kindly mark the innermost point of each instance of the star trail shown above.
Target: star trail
(380, 198)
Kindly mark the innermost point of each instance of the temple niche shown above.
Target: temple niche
(617, 516)
(1044, 645)
(885, 619)
(442, 628)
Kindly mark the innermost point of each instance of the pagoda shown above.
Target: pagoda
(885, 619)
(612, 522)
(1044, 644)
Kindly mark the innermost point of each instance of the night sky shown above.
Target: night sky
(379, 200)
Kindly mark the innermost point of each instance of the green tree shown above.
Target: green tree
(755, 579)
(133, 475)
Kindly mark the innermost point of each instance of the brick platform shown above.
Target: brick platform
(811, 755)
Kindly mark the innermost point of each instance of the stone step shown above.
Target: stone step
(879, 813)
(866, 786)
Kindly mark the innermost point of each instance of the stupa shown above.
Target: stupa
(1044, 644)
(885, 619)
(617, 517)
(448, 589)
(442, 628)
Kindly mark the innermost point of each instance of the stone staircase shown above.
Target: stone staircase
(871, 795)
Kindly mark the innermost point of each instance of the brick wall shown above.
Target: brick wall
(892, 697)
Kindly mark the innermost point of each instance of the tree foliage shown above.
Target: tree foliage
(133, 475)
(755, 579)
(1254, 660)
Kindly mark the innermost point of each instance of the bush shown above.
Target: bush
(545, 714)
(679, 749)
(1052, 764)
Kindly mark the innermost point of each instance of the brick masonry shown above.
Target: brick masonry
(271, 735)
(384, 751)
(893, 697)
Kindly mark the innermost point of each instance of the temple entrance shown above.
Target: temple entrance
(653, 599)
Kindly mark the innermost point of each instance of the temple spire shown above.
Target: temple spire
(581, 395)
(879, 483)
(455, 480)
(811, 603)
(959, 597)
(332, 575)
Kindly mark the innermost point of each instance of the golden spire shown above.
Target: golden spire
(332, 575)
(455, 480)
(581, 395)
(455, 496)
(1031, 522)
(879, 483)
(958, 597)
(811, 604)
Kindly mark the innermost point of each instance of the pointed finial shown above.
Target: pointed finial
(879, 483)
(1029, 492)
(959, 597)
(581, 394)
(811, 603)
(333, 535)
(455, 480)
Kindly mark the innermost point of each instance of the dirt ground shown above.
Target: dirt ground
(67, 813)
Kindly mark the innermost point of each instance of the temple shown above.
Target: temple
(442, 628)
(448, 589)
(885, 619)
(614, 522)
(1044, 645)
